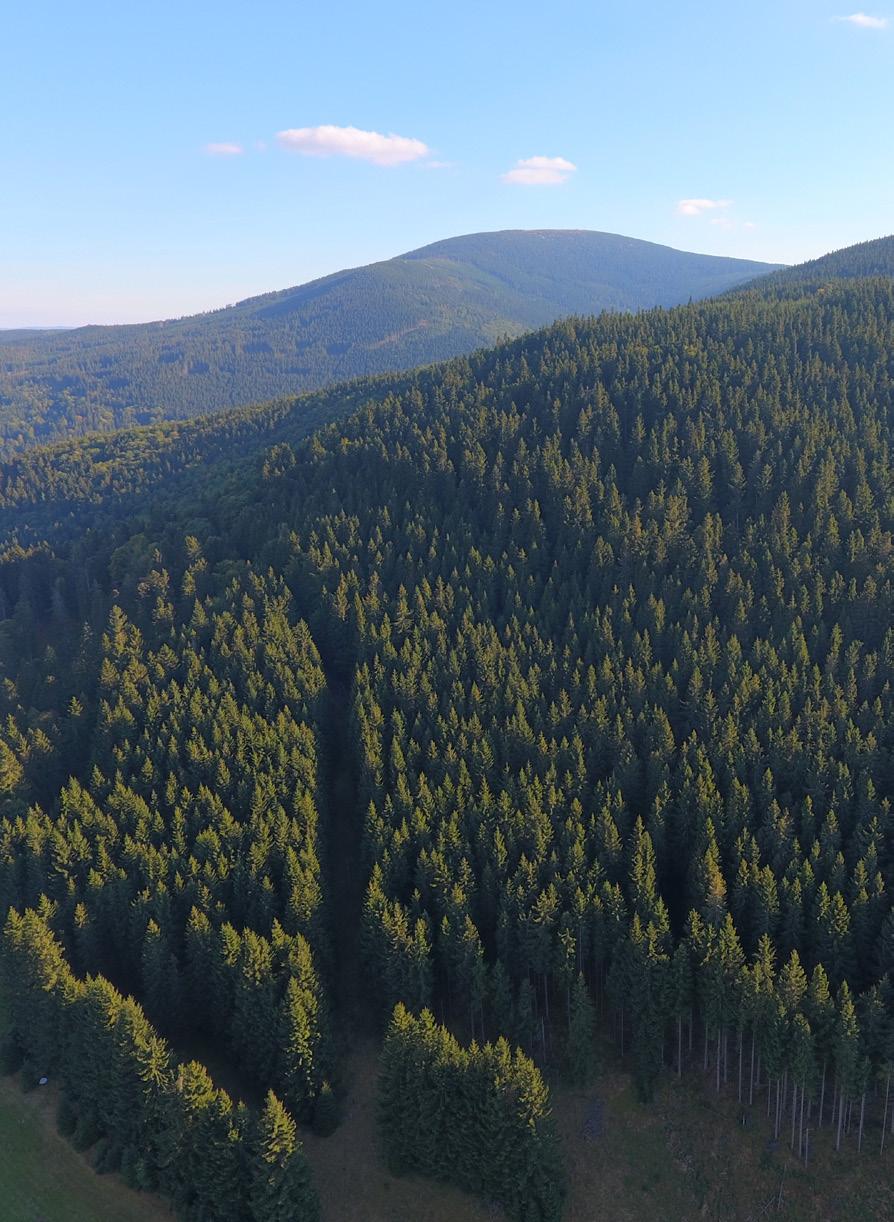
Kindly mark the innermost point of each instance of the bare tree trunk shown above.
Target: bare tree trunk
(840, 1119)
(794, 1112)
(822, 1096)
(719, 1056)
(705, 1059)
(801, 1128)
(885, 1117)
(751, 1075)
(679, 1045)
(741, 1041)
(862, 1113)
(690, 1030)
(622, 1033)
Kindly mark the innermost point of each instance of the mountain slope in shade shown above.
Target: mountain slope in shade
(440, 301)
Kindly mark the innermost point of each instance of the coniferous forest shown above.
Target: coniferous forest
(440, 301)
(562, 672)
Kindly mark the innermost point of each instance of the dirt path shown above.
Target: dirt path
(352, 1181)
(342, 822)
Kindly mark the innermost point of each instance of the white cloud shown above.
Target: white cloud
(332, 141)
(224, 150)
(695, 207)
(865, 22)
(749, 225)
(540, 171)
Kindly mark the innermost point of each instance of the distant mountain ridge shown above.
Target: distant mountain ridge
(442, 300)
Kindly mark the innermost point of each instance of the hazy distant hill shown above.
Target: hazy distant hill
(18, 335)
(436, 302)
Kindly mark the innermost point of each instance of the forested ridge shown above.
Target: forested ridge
(613, 604)
(440, 301)
(866, 259)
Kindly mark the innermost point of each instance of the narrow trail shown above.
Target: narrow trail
(347, 1167)
(345, 875)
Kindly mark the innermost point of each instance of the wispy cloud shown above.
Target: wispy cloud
(224, 150)
(697, 207)
(540, 171)
(332, 141)
(865, 21)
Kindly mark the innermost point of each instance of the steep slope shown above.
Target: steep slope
(425, 306)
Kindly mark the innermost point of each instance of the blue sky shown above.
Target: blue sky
(773, 118)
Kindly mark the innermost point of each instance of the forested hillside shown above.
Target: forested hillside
(875, 258)
(597, 627)
(433, 303)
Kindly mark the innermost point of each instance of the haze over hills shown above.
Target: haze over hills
(427, 305)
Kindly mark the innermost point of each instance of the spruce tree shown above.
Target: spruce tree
(281, 1190)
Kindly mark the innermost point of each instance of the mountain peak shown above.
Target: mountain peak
(439, 301)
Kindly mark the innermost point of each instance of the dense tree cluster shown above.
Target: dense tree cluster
(114, 473)
(874, 258)
(162, 1123)
(477, 1117)
(186, 865)
(613, 607)
(621, 612)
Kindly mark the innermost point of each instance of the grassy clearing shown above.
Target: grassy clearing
(43, 1179)
(688, 1156)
